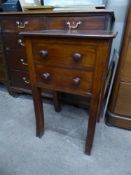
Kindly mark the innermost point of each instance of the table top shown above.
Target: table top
(71, 33)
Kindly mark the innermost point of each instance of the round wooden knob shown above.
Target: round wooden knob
(43, 53)
(76, 80)
(46, 75)
(77, 56)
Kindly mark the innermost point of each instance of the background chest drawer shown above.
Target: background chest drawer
(16, 60)
(69, 80)
(74, 54)
(23, 23)
(13, 42)
(20, 79)
(3, 75)
(82, 23)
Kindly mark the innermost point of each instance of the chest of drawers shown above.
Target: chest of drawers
(68, 61)
(14, 48)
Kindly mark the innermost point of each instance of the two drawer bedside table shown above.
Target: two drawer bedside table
(68, 61)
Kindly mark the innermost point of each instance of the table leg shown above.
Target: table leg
(56, 100)
(39, 114)
(91, 126)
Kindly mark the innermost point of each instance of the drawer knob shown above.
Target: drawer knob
(21, 25)
(77, 57)
(76, 80)
(46, 75)
(23, 62)
(25, 80)
(20, 42)
(43, 53)
(73, 24)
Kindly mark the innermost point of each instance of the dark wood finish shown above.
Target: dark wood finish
(119, 109)
(69, 77)
(14, 22)
(81, 23)
(3, 68)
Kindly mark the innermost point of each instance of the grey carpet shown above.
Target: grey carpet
(61, 150)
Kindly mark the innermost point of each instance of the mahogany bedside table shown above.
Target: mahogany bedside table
(68, 61)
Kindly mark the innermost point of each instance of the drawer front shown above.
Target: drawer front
(16, 60)
(75, 53)
(14, 42)
(82, 23)
(19, 79)
(1, 53)
(123, 102)
(67, 80)
(22, 23)
(126, 67)
(3, 76)
(1, 58)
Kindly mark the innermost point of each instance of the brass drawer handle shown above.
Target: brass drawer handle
(77, 57)
(25, 80)
(76, 80)
(73, 25)
(43, 53)
(46, 76)
(20, 42)
(21, 25)
(24, 63)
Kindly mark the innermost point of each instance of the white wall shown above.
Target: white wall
(120, 9)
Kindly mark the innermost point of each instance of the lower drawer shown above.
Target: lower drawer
(67, 80)
(20, 79)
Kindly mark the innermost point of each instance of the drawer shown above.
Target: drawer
(13, 42)
(20, 79)
(76, 53)
(3, 75)
(16, 60)
(1, 58)
(67, 80)
(74, 22)
(22, 23)
(123, 102)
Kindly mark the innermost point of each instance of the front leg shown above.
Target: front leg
(91, 125)
(39, 114)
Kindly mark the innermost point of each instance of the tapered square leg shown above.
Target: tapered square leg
(56, 100)
(39, 114)
(91, 125)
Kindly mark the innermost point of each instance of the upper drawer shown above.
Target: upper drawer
(66, 53)
(22, 23)
(82, 23)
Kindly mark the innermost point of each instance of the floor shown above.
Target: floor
(61, 150)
